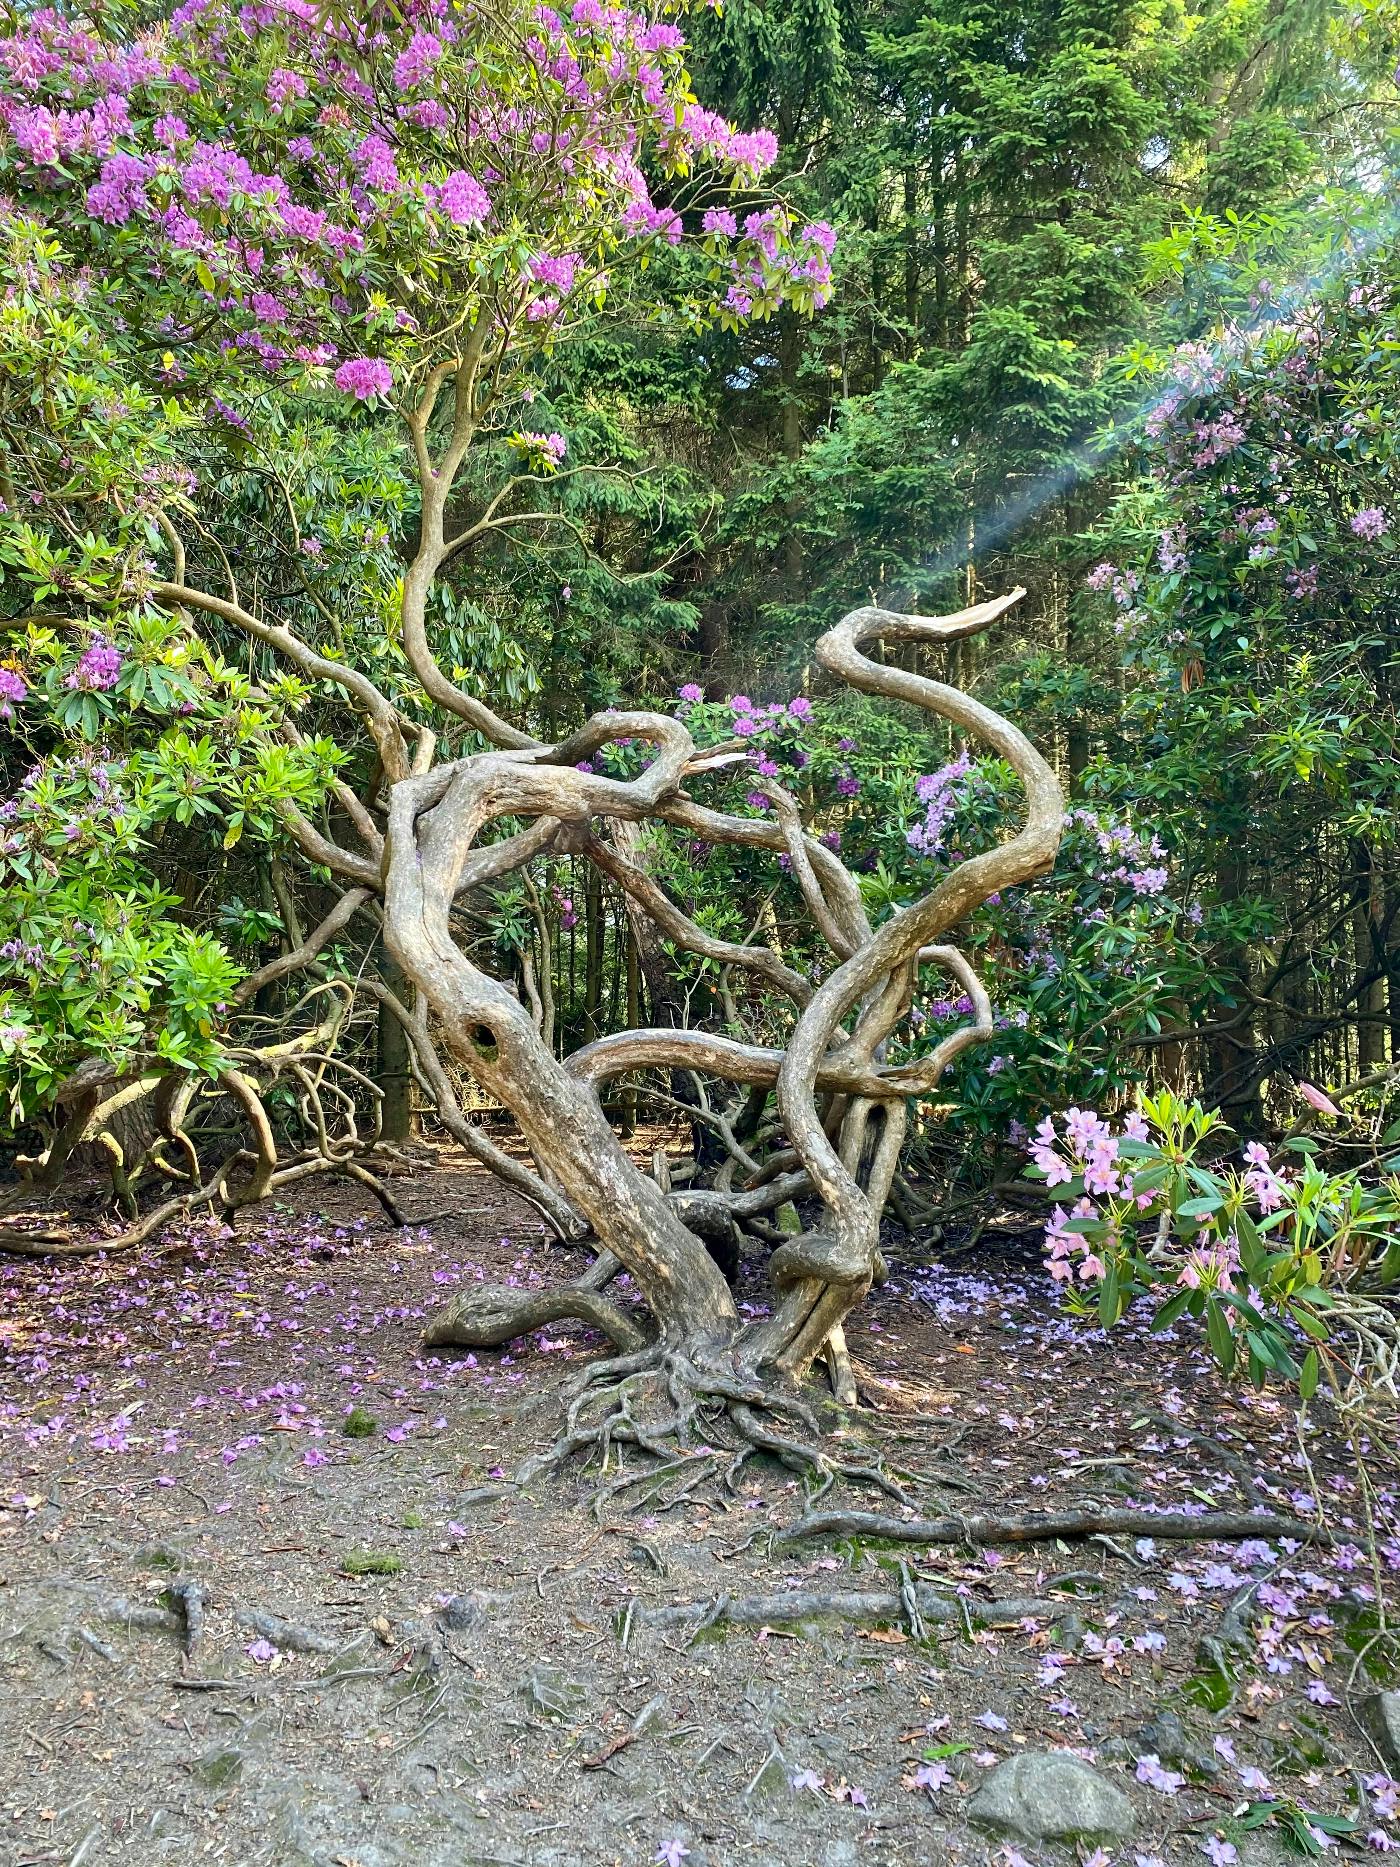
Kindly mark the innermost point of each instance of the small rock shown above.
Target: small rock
(552, 1693)
(1379, 1716)
(220, 1767)
(460, 1613)
(1165, 1736)
(1048, 1795)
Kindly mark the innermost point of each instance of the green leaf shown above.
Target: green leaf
(1219, 1335)
(1308, 1375)
(1309, 1324)
(1202, 1207)
(1169, 1312)
(1108, 1298)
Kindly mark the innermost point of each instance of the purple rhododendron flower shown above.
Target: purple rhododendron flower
(364, 377)
(1150, 1770)
(97, 669)
(463, 199)
(1370, 523)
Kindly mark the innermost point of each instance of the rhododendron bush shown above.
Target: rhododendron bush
(1078, 963)
(220, 236)
(1285, 1262)
(1247, 581)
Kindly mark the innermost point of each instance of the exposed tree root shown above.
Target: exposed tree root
(189, 1598)
(929, 1608)
(1233, 1461)
(488, 1315)
(687, 1416)
(1041, 1527)
(290, 1636)
(1232, 1636)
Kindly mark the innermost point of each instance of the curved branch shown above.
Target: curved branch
(320, 849)
(849, 1253)
(436, 1082)
(381, 716)
(678, 926)
(310, 949)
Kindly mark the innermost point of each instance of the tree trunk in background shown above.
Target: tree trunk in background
(940, 267)
(634, 1018)
(1076, 730)
(961, 256)
(913, 283)
(394, 1071)
(1370, 960)
(649, 953)
(790, 359)
(714, 649)
(594, 936)
(1234, 1059)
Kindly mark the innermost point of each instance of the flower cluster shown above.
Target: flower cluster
(1125, 855)
(546, 451)
(773, 731)
(1244, 1247)
(99, 668)
(1370, 523)
(547, 121)
(364, 377)
(939, 792)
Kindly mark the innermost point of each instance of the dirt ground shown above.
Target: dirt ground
(232, 1630)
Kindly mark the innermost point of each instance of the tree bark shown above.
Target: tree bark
(395, 1068)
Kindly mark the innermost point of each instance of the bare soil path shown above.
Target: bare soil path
(265, 1597)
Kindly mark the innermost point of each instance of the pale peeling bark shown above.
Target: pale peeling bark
(842, 1109)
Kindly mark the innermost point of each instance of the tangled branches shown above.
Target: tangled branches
(163, 1126)
(820, 1119)
(840, 1107)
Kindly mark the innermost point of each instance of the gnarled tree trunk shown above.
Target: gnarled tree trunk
(841, 1108)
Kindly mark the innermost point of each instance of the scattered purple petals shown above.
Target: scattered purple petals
(1150, 1770)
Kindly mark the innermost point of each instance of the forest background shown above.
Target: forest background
(1112, 317)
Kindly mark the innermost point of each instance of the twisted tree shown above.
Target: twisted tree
(841, 1108)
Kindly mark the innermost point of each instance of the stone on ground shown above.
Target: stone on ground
(1379, 1716)
(1048, 1795)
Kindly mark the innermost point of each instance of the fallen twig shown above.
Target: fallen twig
(1040, 1527)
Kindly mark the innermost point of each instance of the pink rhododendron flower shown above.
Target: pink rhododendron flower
(364, 377)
